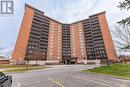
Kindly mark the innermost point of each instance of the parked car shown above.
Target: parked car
(5, 80)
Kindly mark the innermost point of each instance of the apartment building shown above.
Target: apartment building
(43, 38)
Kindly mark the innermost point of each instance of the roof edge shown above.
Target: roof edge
(27, 5)
(103, 12)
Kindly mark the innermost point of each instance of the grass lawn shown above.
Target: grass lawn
(18, 70)
(121, 70)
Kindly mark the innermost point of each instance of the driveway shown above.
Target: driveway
(65, 76)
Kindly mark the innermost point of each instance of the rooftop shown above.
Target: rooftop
(58, 21)
(3, 58)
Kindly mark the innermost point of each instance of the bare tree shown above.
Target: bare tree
(1, 48)
(9, 53)
(39, 56)
(36, 55)
(124, 5)
(121, 35)
(28, 57)
(125, 22)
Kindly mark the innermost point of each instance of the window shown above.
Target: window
(81, 47)
(73, 41)
(82, 50)
(73, 48)
(72, 26)
(30, 51)
(59, 26)
(59, 40)
(80, 35)
(50, 57)
(52, 34)
(58, 48)
(52, 31)
(80, 38)
(74, 54)
(51, 41)
(58, 57)
(52, 23)
(50, 50)
(51, 47)
(81, 44)
(52, 37)
(80, 30)
(59, 31)
(73, 31)
(52, 28)
(73, 38)
(50, 53)
(81, 41)
(79, 24)
(58, 52)
(82, 54)
(59, 44)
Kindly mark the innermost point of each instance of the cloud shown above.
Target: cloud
(9, 27)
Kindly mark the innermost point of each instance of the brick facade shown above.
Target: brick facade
(86, 39)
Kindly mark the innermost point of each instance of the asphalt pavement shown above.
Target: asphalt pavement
(66, 76)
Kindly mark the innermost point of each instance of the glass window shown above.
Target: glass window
(58, 57)
(74, 54)
(73, 47)
(72, 31)
(82, 54)
(52, 34)
(80, 30)
(81, 47)
(58, 52)
(58, 48)
(52, 37)
(50, 49)
(72, 26)
(82, 50)
(50, 57)
(50, 53)
(51, 46)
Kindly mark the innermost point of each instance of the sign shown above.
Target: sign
(6, 7)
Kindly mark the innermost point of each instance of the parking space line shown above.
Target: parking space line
(55, 82)
(94, 81)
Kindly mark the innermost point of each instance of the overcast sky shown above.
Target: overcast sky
(65, 11)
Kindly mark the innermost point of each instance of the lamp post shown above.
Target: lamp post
(85, 58)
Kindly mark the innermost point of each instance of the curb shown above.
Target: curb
(118, 77)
